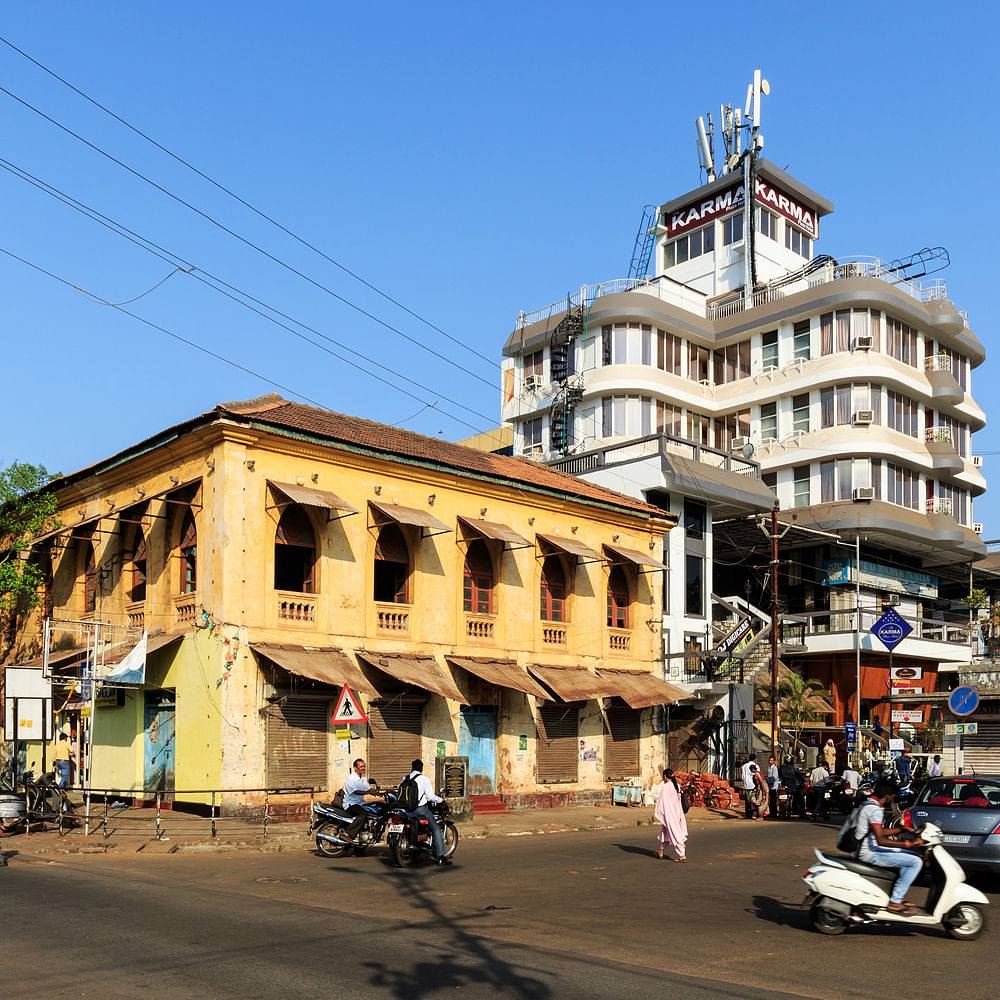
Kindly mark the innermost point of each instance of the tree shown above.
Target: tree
(800, 701)
(26, 511)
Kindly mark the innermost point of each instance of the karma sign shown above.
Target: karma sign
(891, 629)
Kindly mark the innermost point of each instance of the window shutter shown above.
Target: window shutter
(297, 743)
(981, 750)
(394, 744)
(621, 743)
(558, 743)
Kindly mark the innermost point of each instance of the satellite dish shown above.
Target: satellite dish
(748, 449)
(765, 87)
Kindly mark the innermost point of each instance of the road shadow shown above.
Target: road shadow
(647, 852)
(458, 957)
(780, 912)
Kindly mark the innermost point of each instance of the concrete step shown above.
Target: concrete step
(487, 805)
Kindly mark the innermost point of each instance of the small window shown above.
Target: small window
(295, 552)
(695, 514)
(768, 421)
(392, 566)
(767, 223)
(533, 364)
(769, 349)
(188, 552)
(801, 338)
(800, 474)
(694, 585)
(618, 598)
(532, 437)
(732, 229)
(137, 560)
(477, 595)
(800, 412)
(553, 590)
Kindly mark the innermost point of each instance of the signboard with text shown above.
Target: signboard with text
(891, 629)
(911, 715)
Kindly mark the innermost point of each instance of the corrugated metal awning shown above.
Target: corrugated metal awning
(639, 689)
(493, 531)
(85, 523)
(503, 673)
(643, 560)
(420, 671)
(571, 547)
(407, 515)
(325, 664)
(571, 683)
(309, 497)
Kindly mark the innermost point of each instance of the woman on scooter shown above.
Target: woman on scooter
(877, 846)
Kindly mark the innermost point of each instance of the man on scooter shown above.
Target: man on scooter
(358, 793)
(876, 845)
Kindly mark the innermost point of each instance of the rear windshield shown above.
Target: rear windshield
(962, 793)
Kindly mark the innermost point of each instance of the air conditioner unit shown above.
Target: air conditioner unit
(864, 493)
(863, 416)
(738, 444)
(893, 600)
(532, 383)
(977, 527)
(864, 342)
(977, 461)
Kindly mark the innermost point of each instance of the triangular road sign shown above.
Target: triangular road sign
(348, 708)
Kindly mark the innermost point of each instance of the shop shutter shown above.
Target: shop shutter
(558, 743)
(394, 744)
(621, 744)
(981, 750)
(297, 743)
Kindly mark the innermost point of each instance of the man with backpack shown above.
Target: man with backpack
(416, 793)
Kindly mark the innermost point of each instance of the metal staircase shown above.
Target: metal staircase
(644, 239)
(567, 384)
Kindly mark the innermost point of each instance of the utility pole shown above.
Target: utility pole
(774, 628)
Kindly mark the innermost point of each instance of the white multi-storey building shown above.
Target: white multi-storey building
(752, 370)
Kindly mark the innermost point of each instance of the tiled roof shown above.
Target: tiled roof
(337, 427)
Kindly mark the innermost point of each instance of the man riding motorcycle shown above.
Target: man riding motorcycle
(358, 792)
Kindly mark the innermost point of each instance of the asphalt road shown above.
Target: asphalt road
(589, 914)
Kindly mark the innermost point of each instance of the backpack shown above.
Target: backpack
(847, 839)
(408, 795)
(685, 804)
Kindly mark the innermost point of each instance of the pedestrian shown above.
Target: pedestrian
(830, 756)
(773, 780)
(747, 776)
(818, 779)
(62, 760)
(669, 813)
(904, 767)
(760, 794)
(877, 726)
(935, 770)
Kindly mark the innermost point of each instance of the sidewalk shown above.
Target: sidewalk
(134, 830)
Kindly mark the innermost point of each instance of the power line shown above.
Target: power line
(189, 268)
(246, 242)
(198, 347)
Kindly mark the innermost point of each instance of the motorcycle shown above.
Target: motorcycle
(409, 835)
(328, 823)
(43, 802)
(845, 892)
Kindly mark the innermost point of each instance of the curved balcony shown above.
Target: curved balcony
(944, 454)
(944, 386)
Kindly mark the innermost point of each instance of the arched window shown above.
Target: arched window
(618, 598)
(137, 589)
(89, 579)
(478, 587)
(553, 590)
(295, 552)
(392, 566)
(188, 552)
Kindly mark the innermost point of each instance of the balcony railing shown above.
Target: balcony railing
(480, 628)
(554, 635)
(185, 608)
(797, 628)
(393, 618)
(939, 505)
(620, 640)
(939, 435)
(135, 614)
(294, 609)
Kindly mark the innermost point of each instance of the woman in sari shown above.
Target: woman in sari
(759, 798)
(670, 815)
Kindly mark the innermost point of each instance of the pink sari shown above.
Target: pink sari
(669, 814)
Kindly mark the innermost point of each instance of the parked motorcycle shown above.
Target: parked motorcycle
(409, 836)
(43, 802)
(328, 823)
(845, 892)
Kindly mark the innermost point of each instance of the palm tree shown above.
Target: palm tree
(799, 701)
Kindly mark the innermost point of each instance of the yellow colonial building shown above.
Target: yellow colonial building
(476, 605)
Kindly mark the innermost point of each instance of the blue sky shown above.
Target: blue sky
(468, 160)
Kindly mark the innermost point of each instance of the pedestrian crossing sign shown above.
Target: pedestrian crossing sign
(348, 708)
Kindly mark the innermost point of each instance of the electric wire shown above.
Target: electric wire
(205, 350)
(245, 203)
(207, 278)
(249, 243)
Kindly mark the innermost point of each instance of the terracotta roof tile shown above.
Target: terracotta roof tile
(338, 427)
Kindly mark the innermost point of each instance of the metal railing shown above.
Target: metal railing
(796, 628)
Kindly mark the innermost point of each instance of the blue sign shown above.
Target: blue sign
(963, 700)
(851, 735)
(891, 629)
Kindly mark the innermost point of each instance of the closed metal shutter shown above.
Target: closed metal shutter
(981, 750)
(621, 744)
(395, 740)
(297, 743)
(558, 743)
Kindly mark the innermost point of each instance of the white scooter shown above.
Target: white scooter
(844, 892)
